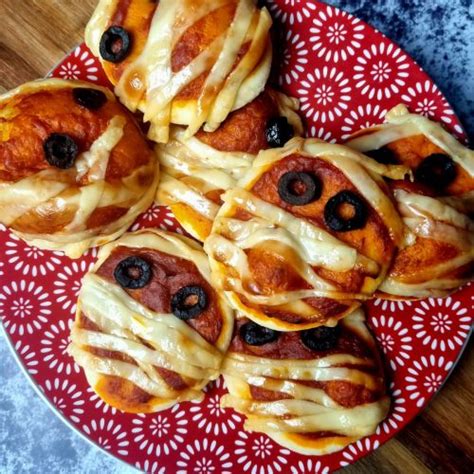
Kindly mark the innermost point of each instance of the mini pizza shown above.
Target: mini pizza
(183, 61)
(437, 205)
(75, 168)
(197, 171)
(150, 331)
(313, 391)
(305, 235)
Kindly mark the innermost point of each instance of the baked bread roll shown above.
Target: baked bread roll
(305, 235)
(150, 331)
(437, 205)
(313, 391)
(196, 171)
(75, 168)
(183, 61)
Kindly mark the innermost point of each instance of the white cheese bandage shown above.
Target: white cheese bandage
(302, 244)
(82, 189)
(296, 418)
(193, 170)
(145, 340)
(442, 221)
(233, 79)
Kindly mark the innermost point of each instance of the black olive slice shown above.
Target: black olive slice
(299, 188)
(189, 302)
(255, 335)
(436, 171)
(91, 99)
(133, 273)
(383, 155)
(278, 132)
(60, 150)
(321, 338)
(115, 44)
(339, 223)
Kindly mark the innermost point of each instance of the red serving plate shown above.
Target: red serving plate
(346, 75)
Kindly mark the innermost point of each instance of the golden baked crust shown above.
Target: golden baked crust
(112, 181)
(223, 45)
(137, 355)
(197, 171)
(438, 253)
(280, 264)
(312, 401)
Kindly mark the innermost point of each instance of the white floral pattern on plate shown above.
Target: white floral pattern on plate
(65, 395)
(336, 35)
(160, 433)
(28, 356)
(24, 307)
(72, 70)
(425, 98)
(300, 9)
(258, 454)
(54, 348)
(324, 94)
(211, 418)
(109, 435)
(364, 116)
(425, 377)
(68, 280)
(309, 467)
(99, 404)
(394, 339)
(381, 71)
(434, 323)
(150, 467)
(294, 57)
(397, 414)
(204, 457)
(354, 450)
(30, 261)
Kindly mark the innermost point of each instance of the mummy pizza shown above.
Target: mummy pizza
(150, 331)
(305, 234)
(313, 391)
(183, 61)
(438, 252)
(75, 169)
(196, 171)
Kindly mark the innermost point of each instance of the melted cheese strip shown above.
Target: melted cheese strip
(48, 191)
(309, 418)
(401, 124)
(149, 84)
(151, 339)
(430, 218)
(191, 168)
(304, 244)
(309, 410)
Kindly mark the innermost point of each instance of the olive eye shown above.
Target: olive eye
(91, 99)
(255, 335)
(383, 155)
(436, 171)
(321, 338)
(299, 188)
(278, 132)
(339, 223)
(60, 151)
(189, 302)
(115, 44)
(133, 273)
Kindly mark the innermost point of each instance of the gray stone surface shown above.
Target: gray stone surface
(439, 34)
